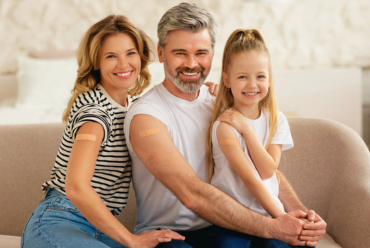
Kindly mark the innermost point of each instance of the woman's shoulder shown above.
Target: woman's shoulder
(92, 97)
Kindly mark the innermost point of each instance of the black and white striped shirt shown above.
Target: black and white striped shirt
(112, 175)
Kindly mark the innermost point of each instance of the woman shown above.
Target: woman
(92, 172)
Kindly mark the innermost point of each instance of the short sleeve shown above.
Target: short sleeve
(141, 108)
(91, 113)
(283, 136)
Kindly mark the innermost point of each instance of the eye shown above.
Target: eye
(242, 77)
(261, 77)
(110, 56)
(131, 53)
(180, 53)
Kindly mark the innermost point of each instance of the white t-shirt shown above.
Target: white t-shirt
(187, 123)
(226, 179)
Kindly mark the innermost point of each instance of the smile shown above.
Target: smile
(123, 74)
(189, 74)
(250, 94)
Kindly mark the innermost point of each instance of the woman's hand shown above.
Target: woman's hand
(153, 238)
(213, 88)
(235, 119)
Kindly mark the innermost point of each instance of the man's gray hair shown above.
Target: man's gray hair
(189, 17)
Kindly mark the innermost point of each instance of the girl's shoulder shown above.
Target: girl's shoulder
(280, 116)
(224, 128)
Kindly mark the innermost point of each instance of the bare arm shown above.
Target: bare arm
(288, 196)
(312, 232)
(240, 163)
(80, 170)
(266, 161)
(165, 162)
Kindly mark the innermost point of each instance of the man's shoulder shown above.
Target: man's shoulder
(151, 100)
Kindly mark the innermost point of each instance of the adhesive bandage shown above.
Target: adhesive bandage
(88, 137)
(149, 132)
(229, 142)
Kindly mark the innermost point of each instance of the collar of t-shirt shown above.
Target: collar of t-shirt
(113, 102)
(178, 101)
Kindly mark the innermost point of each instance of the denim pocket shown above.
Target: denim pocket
(63, 203)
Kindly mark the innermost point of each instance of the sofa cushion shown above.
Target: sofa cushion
(14, 241)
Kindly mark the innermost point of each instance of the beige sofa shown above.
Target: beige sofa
(329, 167)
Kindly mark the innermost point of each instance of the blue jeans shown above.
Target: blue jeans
(56, 222)
(227, 238)
(201, 238)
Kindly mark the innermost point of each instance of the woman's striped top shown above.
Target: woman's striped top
(112, 176)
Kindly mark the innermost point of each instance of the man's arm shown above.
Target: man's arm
(159, 154)
(313, 231)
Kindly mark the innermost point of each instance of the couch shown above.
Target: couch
(329, 167)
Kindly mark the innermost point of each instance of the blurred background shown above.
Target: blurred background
(320, 52)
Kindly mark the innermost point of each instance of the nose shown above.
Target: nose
(252, 83)
(122, 62)
(191, 62)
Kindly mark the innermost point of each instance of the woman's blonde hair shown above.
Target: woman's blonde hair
(242, 40)
(88, 55)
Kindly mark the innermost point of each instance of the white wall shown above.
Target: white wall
(299, 33)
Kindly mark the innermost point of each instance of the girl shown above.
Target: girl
(92, 172)
(245, 142)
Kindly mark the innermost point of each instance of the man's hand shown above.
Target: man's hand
(288, 228)
(314, 230)
(213, 88)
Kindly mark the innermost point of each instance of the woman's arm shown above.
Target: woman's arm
(80, 170)
(234, 153)
(266, 161)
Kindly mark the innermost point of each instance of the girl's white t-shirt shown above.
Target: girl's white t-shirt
(226, 179)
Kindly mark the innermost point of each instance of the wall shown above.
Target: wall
(299, 33)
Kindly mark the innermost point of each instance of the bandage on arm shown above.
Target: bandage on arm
(80, 170)
(148, 132)
(243, 167)
(86, 137)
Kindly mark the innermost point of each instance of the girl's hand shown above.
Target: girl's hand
(153, 238)
(235, 119)
(213, 88)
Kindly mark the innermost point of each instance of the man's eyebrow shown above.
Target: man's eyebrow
(203, 50)
(184, 50)
(178, 50)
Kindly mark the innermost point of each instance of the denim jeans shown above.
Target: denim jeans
(201, 238)
(56, 222)
(227, 238)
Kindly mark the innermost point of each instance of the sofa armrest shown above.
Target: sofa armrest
(329, 168)
(348, 216)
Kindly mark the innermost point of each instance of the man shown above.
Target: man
(166, 134)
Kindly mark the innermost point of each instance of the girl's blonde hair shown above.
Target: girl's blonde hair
(242, 40)
(88, 55)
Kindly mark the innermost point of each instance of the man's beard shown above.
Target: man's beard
(188, 85)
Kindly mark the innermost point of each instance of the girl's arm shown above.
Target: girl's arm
(266, 161)
(80, 170)
(238, 160)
